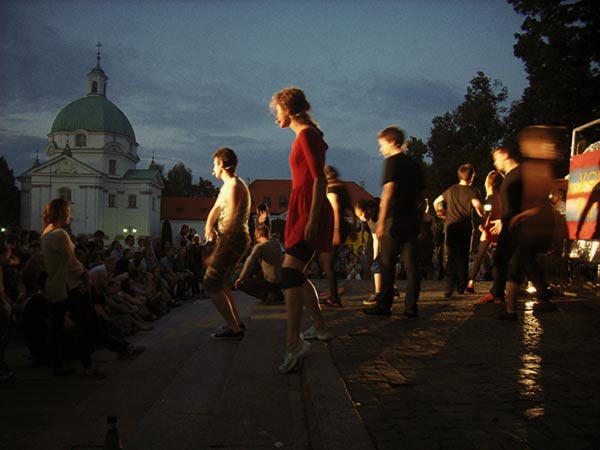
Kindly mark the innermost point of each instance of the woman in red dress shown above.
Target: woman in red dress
(309, 225)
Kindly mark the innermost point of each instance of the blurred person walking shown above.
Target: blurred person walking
(339, 198)
(399, 223)
(487, 239)
(528, 216)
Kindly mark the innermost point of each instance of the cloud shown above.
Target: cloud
(20, 152)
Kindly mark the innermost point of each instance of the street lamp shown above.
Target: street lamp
(130, 230)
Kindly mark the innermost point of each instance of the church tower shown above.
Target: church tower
(97, 78)
(92, 159)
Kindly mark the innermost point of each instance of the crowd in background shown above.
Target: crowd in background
(135, 282)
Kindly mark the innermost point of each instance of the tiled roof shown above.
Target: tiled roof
(278, 192)
(185, 208)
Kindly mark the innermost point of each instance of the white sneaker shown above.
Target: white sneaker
(293, 358)
(314, 333)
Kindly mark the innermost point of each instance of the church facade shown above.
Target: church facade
(92, 161)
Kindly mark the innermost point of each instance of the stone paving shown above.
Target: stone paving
(456, 378)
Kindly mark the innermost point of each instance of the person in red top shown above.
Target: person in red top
(309, 225)
(493, 181)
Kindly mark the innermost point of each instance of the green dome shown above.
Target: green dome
(93, 114)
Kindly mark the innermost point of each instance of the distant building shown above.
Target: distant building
(92, 158)
(191, 211)
(275, 193)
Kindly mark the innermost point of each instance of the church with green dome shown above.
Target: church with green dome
(92, 157)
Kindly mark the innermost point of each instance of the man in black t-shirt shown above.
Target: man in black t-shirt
(461, 199)
(401, 210)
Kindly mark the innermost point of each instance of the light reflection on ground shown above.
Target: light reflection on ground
(531, 361)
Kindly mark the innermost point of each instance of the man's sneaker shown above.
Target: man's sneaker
(293, 358)
(488, 298)
(544, 306)
(372, 300)
(377, 311)
(226, 334)
(409, 316)
(508, 316)
(314, 333)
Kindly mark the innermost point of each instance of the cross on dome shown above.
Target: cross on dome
(99, 44)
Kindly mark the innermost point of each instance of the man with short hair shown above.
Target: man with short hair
(506, 161)
(399, 222)
(268, 253)
(461, 199)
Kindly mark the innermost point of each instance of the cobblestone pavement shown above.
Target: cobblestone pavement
(456, 378)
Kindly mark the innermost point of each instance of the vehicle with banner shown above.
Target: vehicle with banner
(583, 206)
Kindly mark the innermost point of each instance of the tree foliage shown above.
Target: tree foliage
(559, 46)
(178, 183)
(10, 200)
(467, 134)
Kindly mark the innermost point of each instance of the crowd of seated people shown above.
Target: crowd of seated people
(131, 286)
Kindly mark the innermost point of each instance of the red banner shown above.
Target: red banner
(583, 196)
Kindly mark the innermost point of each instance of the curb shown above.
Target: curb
(332, 418)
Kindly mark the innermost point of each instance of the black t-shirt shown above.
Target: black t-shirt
(511, 194)
(405, 203)
(459, 206)
(344, 204)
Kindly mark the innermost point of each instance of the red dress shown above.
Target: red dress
(307, 160)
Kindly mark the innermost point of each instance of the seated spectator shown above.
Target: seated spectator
(122, 265)
(143, 286)
(268, 254)
(167, 270)
(130, 243)
(353, 268)
(197, 267)
(135, 299)
(108, 333)
(97, 243)
(124, 315)
(181, 267)
(6, 260)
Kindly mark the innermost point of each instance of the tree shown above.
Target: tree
(467, 135)
(10, 200)
(559, 46)
(178, 182)
(205, 189)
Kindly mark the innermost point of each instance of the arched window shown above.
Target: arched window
(65, 192)
(94, 87)
(80, 140)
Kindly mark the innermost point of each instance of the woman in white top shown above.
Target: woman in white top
(67, 288)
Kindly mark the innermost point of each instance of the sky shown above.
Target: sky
(193, 76)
